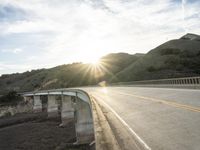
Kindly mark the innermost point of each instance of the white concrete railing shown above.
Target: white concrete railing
(187, 81)
(75, 105)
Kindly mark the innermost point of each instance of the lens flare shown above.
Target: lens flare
(104, 90)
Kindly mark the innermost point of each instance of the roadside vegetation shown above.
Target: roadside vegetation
(11, 98)
(12, 103)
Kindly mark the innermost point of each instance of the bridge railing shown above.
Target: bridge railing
(75, 106)
(187, 81)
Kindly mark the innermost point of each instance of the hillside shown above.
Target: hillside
(70, 75)
(175, 58)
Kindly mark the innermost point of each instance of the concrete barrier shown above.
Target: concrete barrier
(188, 82)
(67, 110)
(52, 107)
(76, 106)
(37, 103)
(84, 122)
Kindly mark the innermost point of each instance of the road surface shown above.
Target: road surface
(164, 118)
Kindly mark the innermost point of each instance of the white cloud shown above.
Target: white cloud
(15, 50)
(85, 28)
(5, 66)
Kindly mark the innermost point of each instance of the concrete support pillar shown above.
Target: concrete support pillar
(37, 103)
(182, 81)
(84, 122)
(67, 110)
(188, 81)
(52, 108)
(198, 80)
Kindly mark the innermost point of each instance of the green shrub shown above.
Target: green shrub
(7, 114)
(11, 98)
(170, 51)
(151, 69)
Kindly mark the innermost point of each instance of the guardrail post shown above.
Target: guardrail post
(188, 81)
(67, 110)
(198, 80)
(37, 103)
(84, 123)
(185, 81)
(52, 108)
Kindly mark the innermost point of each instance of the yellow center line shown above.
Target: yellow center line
(170, 103)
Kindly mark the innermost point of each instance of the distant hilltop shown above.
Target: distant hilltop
(190, 36)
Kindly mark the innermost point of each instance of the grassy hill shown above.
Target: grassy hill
(69, 75)
(175, 58)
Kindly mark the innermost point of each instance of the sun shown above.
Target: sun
(95, 62)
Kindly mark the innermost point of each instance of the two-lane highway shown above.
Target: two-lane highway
(165, 119)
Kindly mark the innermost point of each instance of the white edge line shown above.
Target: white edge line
(133, 132)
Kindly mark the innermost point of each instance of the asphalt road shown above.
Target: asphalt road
(164, 118)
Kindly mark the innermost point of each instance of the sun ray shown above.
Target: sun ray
(94, 72)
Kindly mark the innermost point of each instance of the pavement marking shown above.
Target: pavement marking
(125, 124)
(170, 103)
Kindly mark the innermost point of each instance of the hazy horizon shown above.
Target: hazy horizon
(43, 34)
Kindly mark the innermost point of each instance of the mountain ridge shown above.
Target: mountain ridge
(169, 58)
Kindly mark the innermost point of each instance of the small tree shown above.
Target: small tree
(11, 98)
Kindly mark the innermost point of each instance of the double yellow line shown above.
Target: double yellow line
(170, 103)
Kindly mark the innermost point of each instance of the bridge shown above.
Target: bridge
(152, 114)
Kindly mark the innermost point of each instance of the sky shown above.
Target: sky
(45, 33)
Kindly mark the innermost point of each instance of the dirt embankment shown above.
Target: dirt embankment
(30, 131)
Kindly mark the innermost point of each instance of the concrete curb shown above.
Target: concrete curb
(104, 137)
